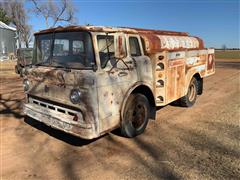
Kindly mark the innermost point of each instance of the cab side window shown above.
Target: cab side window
(134, 46)
(106, 49)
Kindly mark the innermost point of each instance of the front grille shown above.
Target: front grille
(53, 107)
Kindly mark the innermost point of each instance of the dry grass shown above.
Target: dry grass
(7, 64)
(227, 54)
(7, 68)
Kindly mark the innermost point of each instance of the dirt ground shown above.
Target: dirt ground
(202, 142)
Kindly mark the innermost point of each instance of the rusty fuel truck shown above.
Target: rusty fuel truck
(89, 80)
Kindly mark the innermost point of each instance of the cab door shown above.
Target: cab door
(114, 76)
(142, 63)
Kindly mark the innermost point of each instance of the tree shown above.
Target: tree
(26, 35)
(3, 17)
(54, 12)
(224, 47)
(15, 10)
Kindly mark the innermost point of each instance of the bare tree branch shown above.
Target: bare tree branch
(15, 10)
(61, 11)
(43, 10)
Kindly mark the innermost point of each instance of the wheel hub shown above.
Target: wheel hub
(192, 92)
(138, 116)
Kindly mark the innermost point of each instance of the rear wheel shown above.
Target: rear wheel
(190, 98)
(135, 115)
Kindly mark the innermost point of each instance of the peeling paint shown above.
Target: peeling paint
(167, 63)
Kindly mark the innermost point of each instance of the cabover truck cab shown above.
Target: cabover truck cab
(89, 80)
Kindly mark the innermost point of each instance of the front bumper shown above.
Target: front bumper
(60, 120)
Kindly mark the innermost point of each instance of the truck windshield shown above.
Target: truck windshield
(65, 49)
(27, 53)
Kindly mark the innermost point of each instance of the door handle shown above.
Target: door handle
(128, 62)
(122, 73)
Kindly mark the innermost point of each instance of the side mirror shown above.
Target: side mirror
(120, 46)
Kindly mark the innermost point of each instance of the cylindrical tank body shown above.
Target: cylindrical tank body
(155, 42)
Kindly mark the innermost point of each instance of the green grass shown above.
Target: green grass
(227, 54)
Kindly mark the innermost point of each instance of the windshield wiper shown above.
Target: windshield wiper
(60, 65)
(63, 67)
(28, 65)
(39, 64)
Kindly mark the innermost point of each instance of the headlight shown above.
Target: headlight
(26, 85)
(75, 96)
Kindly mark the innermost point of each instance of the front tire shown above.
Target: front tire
(16, 69)
(135, 115)
(190, 98)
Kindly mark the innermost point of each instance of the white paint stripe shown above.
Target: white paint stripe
(176, 55)
(192, 60)
(210, 51)
(172, 42)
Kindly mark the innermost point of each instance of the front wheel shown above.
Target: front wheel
(190, 98)
(135, 115)
(16, 69)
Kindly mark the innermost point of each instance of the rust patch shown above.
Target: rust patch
(48, 76)
(210, 61)
(178, 62)
(201, 43)
(111, 30)
(151, 42)
(180, 84)
(158, 32)
(160, 75)
(171, 85)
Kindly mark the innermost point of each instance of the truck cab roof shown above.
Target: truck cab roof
(109, 29)
(154, 40)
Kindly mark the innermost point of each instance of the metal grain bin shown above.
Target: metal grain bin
(7, 41)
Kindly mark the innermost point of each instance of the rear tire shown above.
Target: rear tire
(190, 98)
(135, 115)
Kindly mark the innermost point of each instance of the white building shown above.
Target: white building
(7, 41)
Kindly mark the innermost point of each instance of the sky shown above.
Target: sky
(217, 22)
